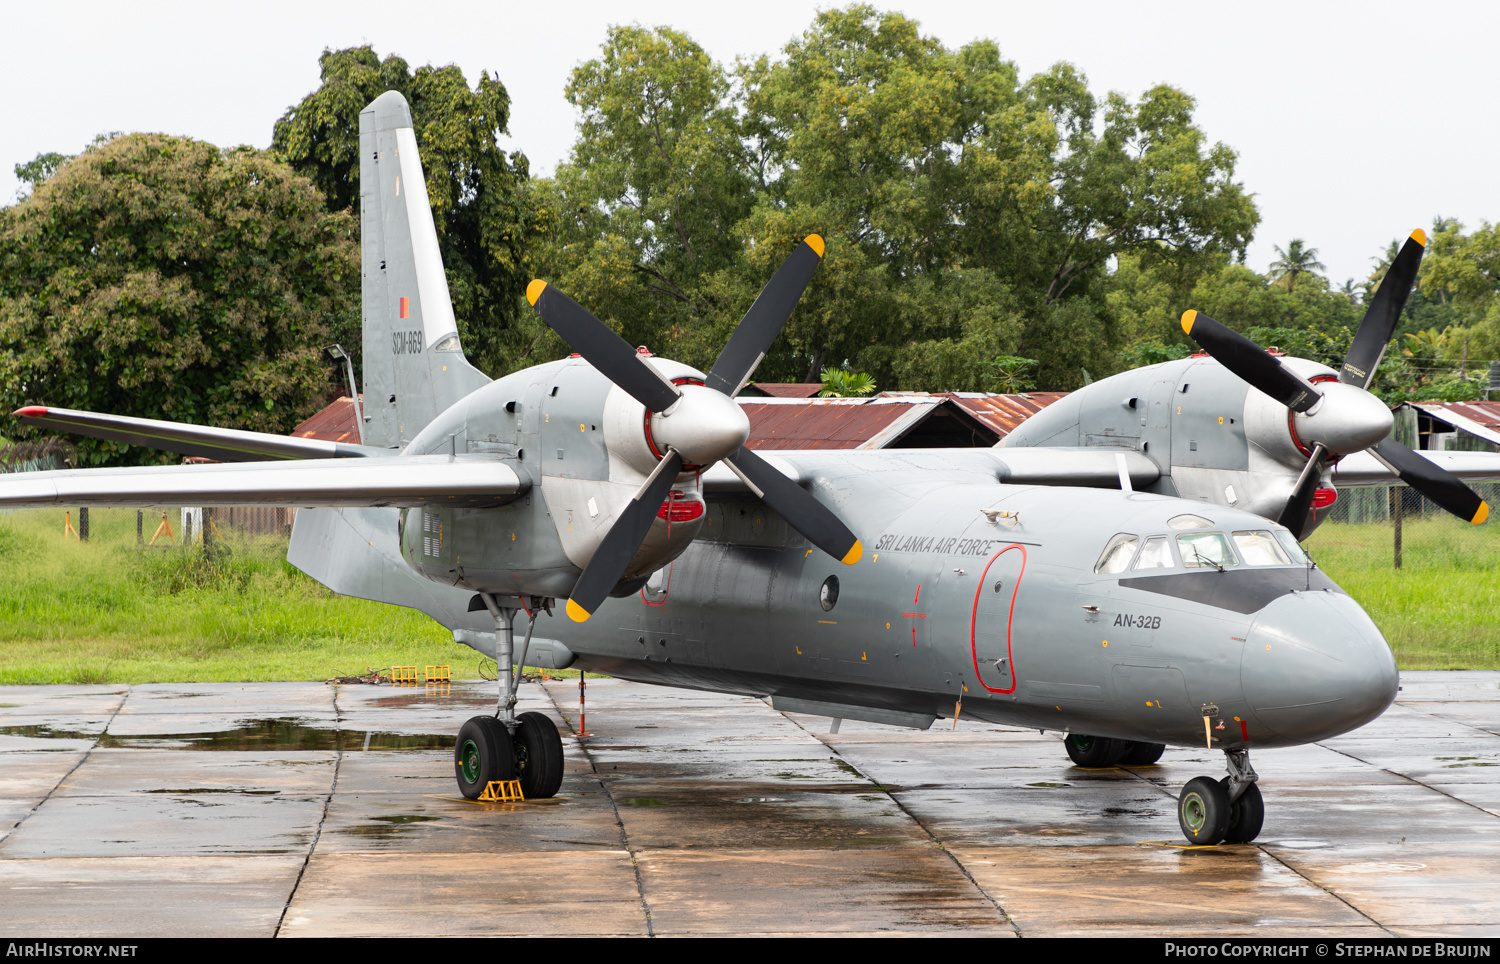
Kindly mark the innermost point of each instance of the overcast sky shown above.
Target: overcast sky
(1354, 123)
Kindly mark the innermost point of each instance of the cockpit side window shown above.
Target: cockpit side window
(1117, 554)
(1259, 548)
(1205, 549)
(1155, 554)
(1292, 546)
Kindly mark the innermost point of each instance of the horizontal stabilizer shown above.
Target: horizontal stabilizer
(470, 481)
(222, 444)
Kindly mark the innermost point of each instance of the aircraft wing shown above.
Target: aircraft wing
(1363, 468)
(1098, 468)
(222, 444)
(469, 481)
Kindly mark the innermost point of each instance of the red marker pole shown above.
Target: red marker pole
(583, 729)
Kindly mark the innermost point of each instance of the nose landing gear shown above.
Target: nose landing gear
(1229, 810)
(506, 746)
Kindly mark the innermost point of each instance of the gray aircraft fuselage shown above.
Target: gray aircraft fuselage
(1007, 616)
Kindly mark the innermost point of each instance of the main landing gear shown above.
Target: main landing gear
(1101, 751)
(506, 746)
(1223, 811)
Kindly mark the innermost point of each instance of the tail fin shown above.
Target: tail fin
(414, 366)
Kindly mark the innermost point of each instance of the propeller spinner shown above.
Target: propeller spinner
(696, 425)
(1342, 417)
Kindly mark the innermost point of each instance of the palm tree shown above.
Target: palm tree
(1295, 260)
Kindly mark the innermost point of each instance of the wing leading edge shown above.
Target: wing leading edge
(468, 481)
(222, 444)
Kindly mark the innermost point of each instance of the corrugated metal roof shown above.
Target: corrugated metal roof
(1003, 412)
(1481, 419)
(790, 389)
(826, 423)
(336, 423)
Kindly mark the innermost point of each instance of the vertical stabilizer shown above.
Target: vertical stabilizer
(414, 366)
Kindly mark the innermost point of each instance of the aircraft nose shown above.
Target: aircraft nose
(1315, 666)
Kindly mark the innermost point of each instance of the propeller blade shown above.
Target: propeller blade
(765, 319)
(1294, 516)
(801, 511)
(1379, 323)
(1251, 362)
(1433, 481)
(623, 540)
(604, 349)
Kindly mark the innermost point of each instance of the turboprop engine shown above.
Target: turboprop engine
(615, 440)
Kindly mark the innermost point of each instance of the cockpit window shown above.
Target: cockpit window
(1156, 554)
(1259, 548)
(1292, 546)
(1117, 554)
(1205, 549)
(1188, 521)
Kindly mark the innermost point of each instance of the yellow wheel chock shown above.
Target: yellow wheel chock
(502, 791)
(438, 674)
(403, 675)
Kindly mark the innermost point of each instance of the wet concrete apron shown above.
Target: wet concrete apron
(301, 809)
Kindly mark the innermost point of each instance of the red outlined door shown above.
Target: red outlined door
(992, 625)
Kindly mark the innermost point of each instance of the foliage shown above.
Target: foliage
(842, 383)
(1011, 373)
(1142, 353)
(968, 214)
(489, 222)
(1295, 261)
(161, 277)
(38, 170)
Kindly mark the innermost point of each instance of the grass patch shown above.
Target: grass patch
(107, 611)
(1441, 609)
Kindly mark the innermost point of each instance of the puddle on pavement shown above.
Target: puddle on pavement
(645, 801)
(275, 734)
(761, 800)
(1049, 786)
(387, 828)
(194, 790)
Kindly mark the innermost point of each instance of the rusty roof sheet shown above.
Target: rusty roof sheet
(790, 389)
(1477, 418)
(336, 423)
(829, 423)
(1003, 412)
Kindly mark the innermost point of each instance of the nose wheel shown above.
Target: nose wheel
(1229, 810)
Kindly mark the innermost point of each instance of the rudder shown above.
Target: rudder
(414, 366)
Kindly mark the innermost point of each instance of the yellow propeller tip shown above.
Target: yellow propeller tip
(1420, 237)
(855, 553)
(816, 243)
(1482, 514)
(535, 289)
(1188, 317)
(577, 613)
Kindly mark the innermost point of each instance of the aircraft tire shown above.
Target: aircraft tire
(482, 753)
(1094, 751)
(1203, 811)
(1138, 754)
(539, 756)
(1246, 815)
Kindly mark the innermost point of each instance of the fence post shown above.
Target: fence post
(83, 524)
(1396, 513)
(139, 535)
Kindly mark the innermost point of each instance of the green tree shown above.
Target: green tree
(489, 221)
(162, 277)
(842, 383)
(36, 171)
(648, 201)
(1294, 262)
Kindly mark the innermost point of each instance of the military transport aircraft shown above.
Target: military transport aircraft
(1061, 582)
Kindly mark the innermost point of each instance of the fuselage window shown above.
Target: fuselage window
(1205, 549)
(1155, 554)
(1117, 554)
(1260, 548)
(828, 593)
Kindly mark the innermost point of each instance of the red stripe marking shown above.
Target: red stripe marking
(30, 410)
(1245, 730)
(404, 306)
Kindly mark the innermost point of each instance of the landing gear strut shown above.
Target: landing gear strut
(506, 746)
(1229, 810)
